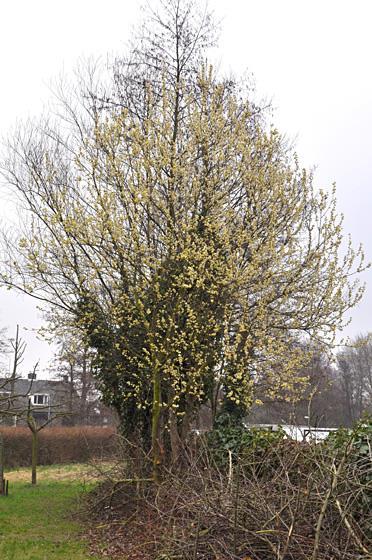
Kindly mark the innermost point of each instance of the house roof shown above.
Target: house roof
(28, 386)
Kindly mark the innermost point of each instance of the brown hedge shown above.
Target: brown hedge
(58, 445)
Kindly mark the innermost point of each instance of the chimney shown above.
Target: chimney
(65, 378)
(31, 376)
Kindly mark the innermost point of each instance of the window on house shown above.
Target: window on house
(40, 399)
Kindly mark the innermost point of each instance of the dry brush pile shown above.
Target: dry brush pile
(286, 501)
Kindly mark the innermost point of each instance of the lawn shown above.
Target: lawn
(36, 522)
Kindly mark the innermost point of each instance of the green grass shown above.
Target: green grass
(36, 522)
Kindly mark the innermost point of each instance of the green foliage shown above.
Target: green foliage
(359, 438)
(240, 441)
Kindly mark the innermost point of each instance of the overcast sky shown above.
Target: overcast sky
(312, 59)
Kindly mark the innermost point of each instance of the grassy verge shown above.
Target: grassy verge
(36, 522)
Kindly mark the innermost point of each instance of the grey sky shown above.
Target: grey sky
(312, 59)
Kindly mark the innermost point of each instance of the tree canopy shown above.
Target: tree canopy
(179, 231)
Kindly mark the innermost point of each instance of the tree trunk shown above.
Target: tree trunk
(2, 489)
(155, 428)
(187, 419)
(15, 363)
(71, 419)
(176, 444)
(86, 378)
(349, 403)
(180, 430)
(35, 452)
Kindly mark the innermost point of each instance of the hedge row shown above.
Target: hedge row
(58, 445)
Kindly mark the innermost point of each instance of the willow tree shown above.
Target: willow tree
(179, 232)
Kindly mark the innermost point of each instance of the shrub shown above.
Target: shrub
(58, 445)
(234, 438)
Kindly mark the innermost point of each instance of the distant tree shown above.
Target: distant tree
(4, 348)
(11, 401)
(355, 377)
(74, 363)
(319, 403)
(35, 427)
(178, 230)
(18, 347)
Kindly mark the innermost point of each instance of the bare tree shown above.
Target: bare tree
(355, 377)
(74, 363)
(19, 346)
(36, 428)
(12, 401)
